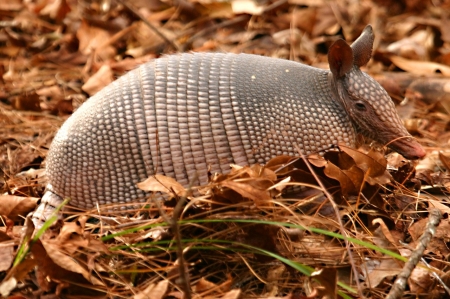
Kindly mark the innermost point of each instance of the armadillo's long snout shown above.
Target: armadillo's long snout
(408, 148)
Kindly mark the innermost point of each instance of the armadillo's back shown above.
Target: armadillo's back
(185, 113)
(99, 152)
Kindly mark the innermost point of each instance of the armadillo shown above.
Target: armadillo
(185, 115)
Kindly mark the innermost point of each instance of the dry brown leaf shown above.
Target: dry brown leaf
(422, 68)
(162, 15)
(372, 162)
(281, 184)
(440, 206)
(72, 238)
(53, 92)
(414, 47)
(445, 159)
(350, 180)
(259, 197)
(161, 183)
(154, 291)
(420, 280)
(275, 273)
(438, 244)
(67, 262)
(317, 160)
(12, 5)
(327, 277)
(16, 274)
(15, 206)
(100, 79)
(57, 10)
(280, 164)
(91, 38)
(384, 234)
(378, 270)
(129, 64)
(218, 9)
(203, 285)
(28, 102)
(255, 171)
(6, 254)
(233, 294)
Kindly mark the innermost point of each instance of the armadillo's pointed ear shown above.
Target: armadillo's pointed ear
(340, 58)
(362, 47)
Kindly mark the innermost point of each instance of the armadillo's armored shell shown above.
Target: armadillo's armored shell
(184, 113)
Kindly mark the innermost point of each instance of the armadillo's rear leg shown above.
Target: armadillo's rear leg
(49, 202)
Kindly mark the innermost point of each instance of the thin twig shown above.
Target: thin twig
(184, 275)
(174, 225)
(228, 23)
(210, 29)
(131, 8)
(338, 218)
(400, 283)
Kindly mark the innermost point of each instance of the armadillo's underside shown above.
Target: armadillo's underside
(184, 113)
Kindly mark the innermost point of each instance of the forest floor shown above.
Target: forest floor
(360, 218)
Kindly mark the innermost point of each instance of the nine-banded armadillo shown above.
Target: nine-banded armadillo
(181, 114)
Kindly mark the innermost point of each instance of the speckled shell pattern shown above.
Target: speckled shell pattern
(184, 114)
(360, 85)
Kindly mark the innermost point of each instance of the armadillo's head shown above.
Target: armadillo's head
(367, 103)
(374, 115)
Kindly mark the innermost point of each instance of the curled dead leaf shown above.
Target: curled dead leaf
(260, 197)
(153, 290)
(372, 162)
(68, 263)
(162, 183)
(15, 206)
(422, 68)
(100, 79)
(350, 180)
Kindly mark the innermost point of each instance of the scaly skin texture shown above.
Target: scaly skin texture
(184, 114)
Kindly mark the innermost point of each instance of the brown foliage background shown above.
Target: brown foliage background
(54, 54)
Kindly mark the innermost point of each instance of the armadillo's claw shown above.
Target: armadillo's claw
(49, 202)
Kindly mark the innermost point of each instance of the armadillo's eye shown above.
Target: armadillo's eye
(360, 106)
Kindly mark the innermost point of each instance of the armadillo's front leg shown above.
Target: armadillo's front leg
(49, 202)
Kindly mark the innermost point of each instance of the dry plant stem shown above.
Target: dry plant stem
(338, 219)
(184, 275)
(173, 222)
(400, 283)
(227, 23)
(211, 29)
(131, 8)
(275, 5)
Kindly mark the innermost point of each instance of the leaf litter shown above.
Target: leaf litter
(54, 54)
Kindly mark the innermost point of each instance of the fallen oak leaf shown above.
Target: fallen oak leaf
(73, 237)
(373, 163)
(350, 180)
(162, 183)
(422, 68)
(15, 206)
(153, 290)
(260, 197)
(68, 263)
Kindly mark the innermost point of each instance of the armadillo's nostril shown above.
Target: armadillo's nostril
(416, 152)
(408, 148)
